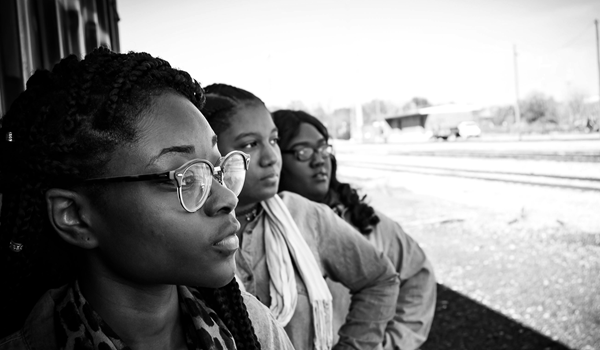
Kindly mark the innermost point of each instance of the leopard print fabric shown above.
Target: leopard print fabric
(78, 326)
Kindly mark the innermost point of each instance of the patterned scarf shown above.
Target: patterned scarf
(78, 326)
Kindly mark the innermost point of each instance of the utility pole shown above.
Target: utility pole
(598, 58)
(517, 109)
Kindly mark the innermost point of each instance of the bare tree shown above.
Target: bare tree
(538, 107)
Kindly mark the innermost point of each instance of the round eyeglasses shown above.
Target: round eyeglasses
(194, 178)
(306, 153)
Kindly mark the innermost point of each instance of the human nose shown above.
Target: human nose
(220, 200)
(270, 155)
(317, 158)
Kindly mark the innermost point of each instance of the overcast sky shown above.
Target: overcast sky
(337, 53)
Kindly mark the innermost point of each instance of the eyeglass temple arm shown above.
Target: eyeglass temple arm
(133, 178)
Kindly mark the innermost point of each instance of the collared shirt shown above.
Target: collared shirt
(38, 331)
(416, 301)
(343, 255)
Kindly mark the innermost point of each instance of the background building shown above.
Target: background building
(38, 33)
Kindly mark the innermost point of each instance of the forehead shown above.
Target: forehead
(171, 121)
(307, 134)
(252, 116)
(174, 119)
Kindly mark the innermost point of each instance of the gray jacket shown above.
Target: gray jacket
(416, 301)
(343, 256)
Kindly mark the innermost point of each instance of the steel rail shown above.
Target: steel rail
(477, 174)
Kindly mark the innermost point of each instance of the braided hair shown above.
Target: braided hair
(64, 127)
(362, 215)
(223, 101)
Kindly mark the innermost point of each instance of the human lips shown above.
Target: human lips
(269, 176)
(321, 176)
(229, 242)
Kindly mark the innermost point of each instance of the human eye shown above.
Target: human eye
(249, 145)
(304, 151)
(188, 180)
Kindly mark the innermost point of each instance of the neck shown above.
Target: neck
(245, 213)
(242, 211)
(144, 317)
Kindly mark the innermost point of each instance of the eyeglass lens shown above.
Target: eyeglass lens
(194, 185)
(234, 173)
(308, 152)
(197, 180)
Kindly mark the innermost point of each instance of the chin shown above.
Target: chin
(268, 193)
(219, 277)
(316, 197)
(320, 193)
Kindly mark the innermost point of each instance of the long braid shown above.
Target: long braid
(228, 303)
(64, 127)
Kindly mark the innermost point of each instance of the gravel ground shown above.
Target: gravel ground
(530, 283)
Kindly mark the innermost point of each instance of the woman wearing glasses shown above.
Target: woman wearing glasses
(309, 170)
(118, 227)
(288, 243)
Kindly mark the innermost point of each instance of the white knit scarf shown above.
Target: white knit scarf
(283, 237)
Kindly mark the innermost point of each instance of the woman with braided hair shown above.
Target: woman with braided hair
(117, 225)
(309, 169)
(288, 243)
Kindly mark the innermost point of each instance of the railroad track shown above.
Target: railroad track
(536, 179)
(586, 157)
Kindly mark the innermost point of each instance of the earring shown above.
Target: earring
(15, 247)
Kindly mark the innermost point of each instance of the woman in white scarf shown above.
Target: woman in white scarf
(288, 244)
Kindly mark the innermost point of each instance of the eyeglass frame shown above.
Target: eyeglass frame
(316, 150)
(177, 175)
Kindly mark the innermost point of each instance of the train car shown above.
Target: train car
(38, 33)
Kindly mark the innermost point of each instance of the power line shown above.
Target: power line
(574, 39)
(568, 42)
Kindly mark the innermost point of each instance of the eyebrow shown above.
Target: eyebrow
(187, 149)
(320, 141)
(241, 136)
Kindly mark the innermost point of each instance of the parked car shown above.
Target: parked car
(468, 129)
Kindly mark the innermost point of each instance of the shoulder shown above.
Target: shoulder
(38, 331)
(269, 332)
(389, 237)
(388, 224)
(14, 341)
(257, 310)
(300, 206)
(293, 200)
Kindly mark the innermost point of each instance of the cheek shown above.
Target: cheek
(328, 167)
(297, 172)
(130, 210)
(252, 173)
(279, 156)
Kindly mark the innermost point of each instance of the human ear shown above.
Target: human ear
(68, 214)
